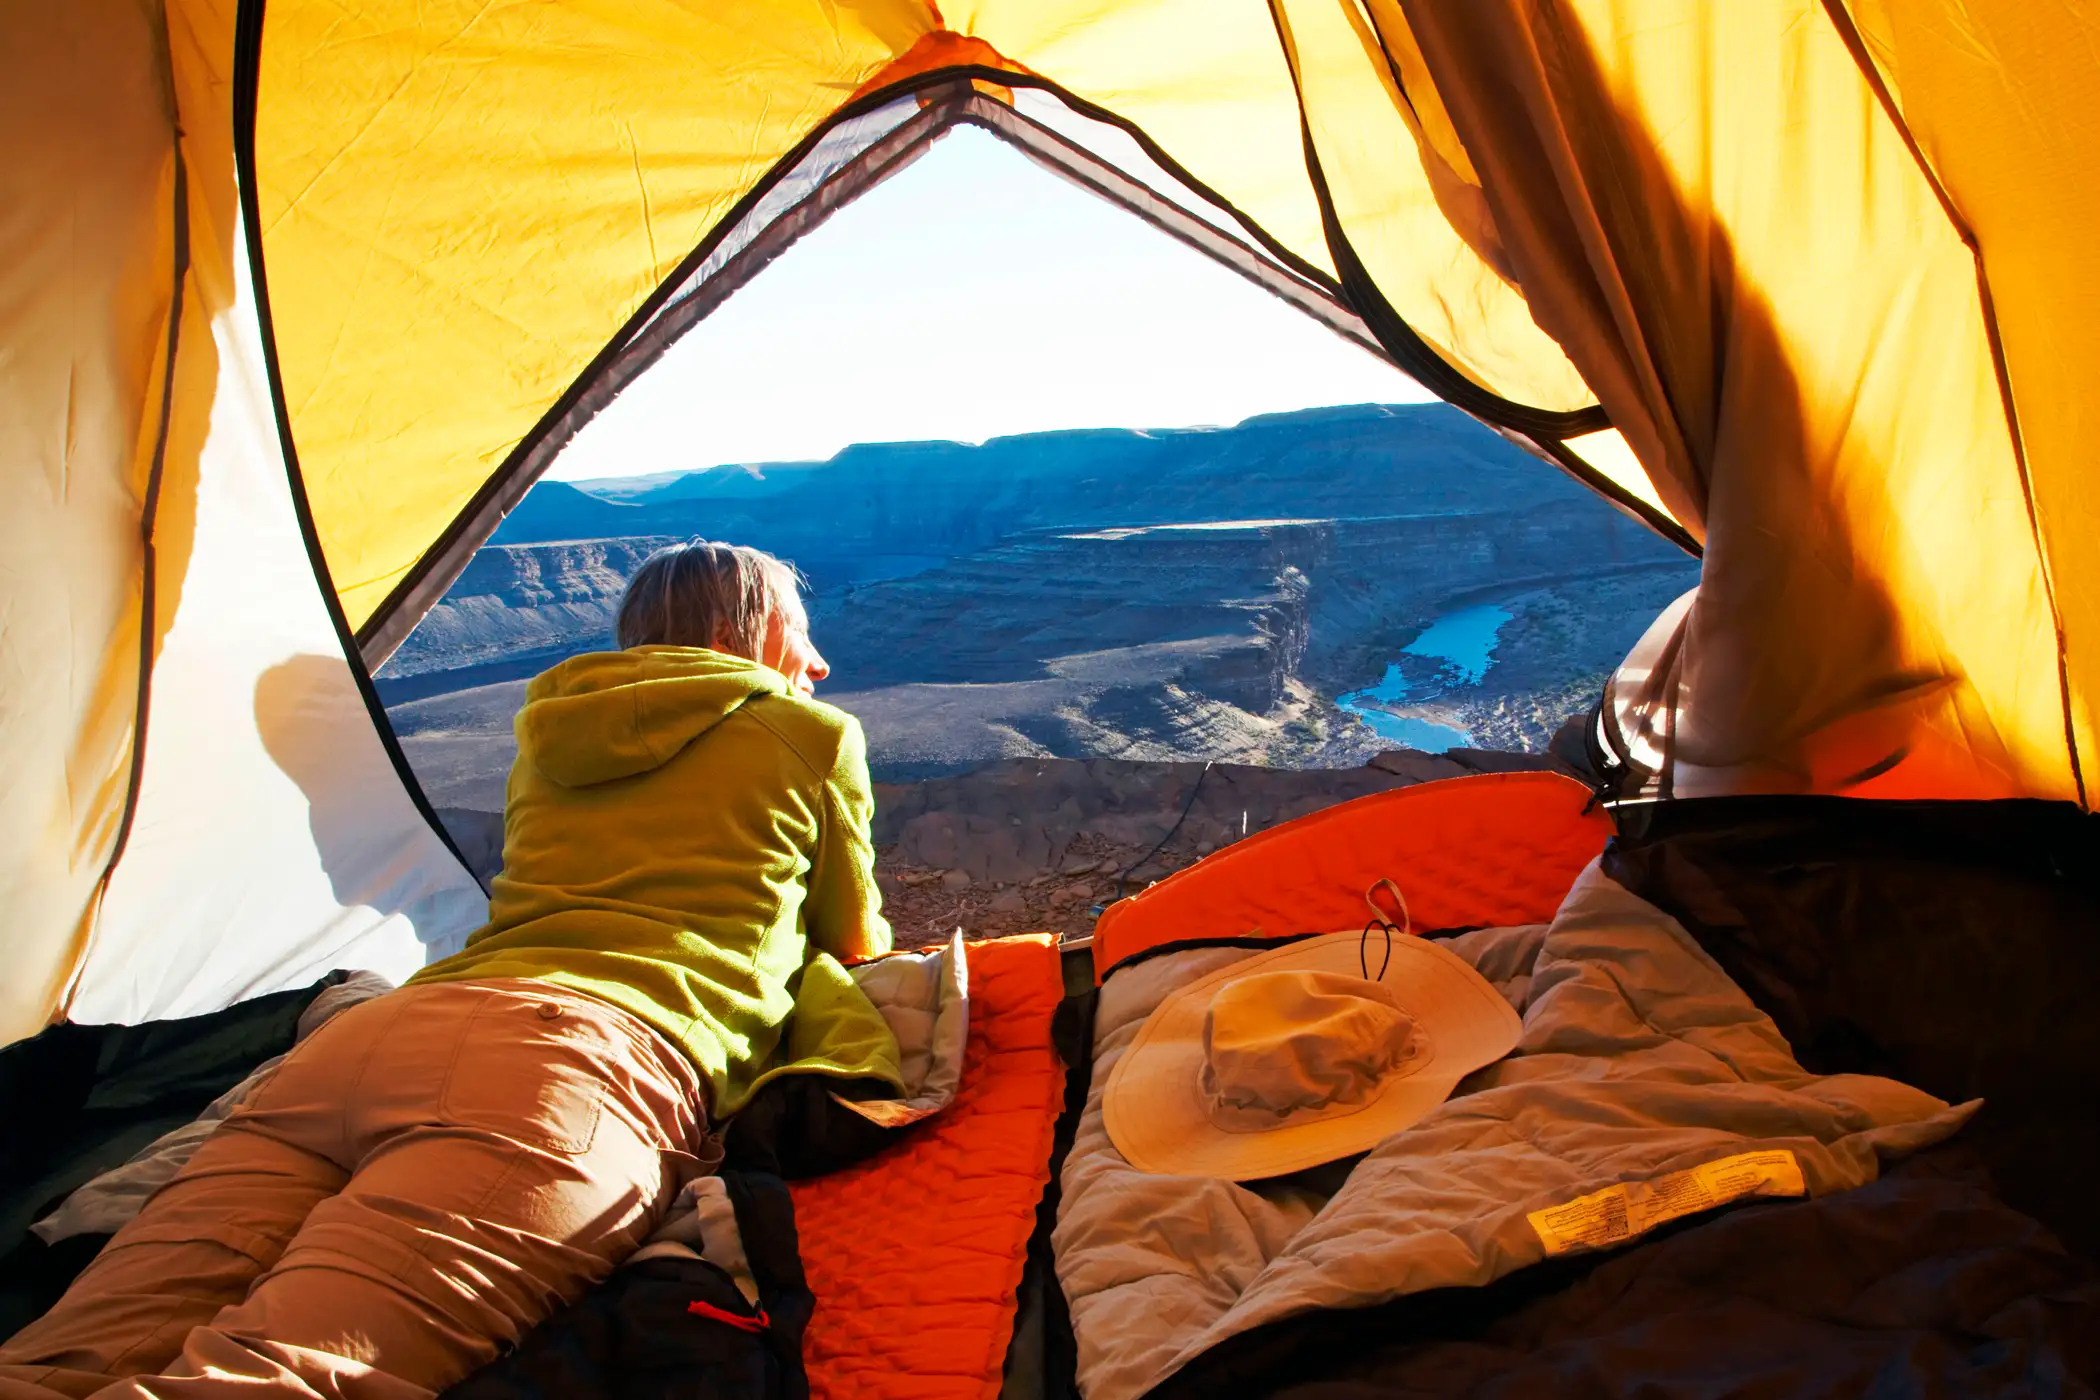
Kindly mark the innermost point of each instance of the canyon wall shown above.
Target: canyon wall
(1149, 596)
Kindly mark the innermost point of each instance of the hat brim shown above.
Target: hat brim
(1153, 1107)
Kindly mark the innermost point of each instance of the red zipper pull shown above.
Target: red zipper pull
(755, 1324)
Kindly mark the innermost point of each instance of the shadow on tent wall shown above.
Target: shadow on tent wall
(304, 706)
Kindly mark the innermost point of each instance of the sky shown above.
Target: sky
(971, 296)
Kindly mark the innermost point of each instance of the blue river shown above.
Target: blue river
(1465, 643)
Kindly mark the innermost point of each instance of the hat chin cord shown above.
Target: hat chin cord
(1385, 926)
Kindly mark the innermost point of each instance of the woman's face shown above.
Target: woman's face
(789, 650)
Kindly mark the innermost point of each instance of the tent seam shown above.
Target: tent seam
(1559, 454)
(1004, 120)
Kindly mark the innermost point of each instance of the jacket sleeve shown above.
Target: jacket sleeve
(843, 912)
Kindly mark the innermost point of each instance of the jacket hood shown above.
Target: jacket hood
(613, 714)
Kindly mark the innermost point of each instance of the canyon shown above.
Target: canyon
(1152, 597)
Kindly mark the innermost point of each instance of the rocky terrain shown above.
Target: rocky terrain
(1042, 844)
(1231, 641)
(1198, 594)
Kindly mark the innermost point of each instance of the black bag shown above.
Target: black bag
(675, 1329)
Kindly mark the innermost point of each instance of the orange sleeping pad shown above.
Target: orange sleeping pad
(1495, 849)
(915, 1254)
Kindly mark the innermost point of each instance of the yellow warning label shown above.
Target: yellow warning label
(1618, 1213)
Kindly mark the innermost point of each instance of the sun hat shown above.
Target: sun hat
(1299, 1056)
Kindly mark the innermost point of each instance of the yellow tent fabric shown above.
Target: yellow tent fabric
(491, 194)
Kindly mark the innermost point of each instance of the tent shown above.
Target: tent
(298, 299)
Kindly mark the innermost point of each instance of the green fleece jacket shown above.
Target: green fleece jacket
(686, 838)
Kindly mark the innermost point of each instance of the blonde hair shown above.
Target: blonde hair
(704, 593)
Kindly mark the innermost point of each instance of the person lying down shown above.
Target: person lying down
(686, 852)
